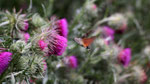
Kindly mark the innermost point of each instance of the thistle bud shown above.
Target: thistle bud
(140, 74)
(18, 21)
(23, 25)
(37, 20)
(121, 29)
(147, 50)
(143, 77)
(91, 9)
(117, 19)
(37, 66)
(18, 45)
(24, 36)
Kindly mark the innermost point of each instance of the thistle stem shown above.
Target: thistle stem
(100, 22)
(15, 74)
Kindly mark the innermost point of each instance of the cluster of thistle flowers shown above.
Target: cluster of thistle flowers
(21, 25)
(123, 54)
(119, 23)
(53, 41)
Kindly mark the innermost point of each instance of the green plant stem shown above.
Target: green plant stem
(49, 8)
(75, 21)
(15, 74)
(100, 22)
(88, 60)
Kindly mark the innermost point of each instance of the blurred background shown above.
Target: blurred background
(67, 9)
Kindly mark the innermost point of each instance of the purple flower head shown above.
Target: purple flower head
(42, 44)
(26, 25)
(108, 32)
(63, 27)
(60, 46)
(5, 58)
(56, 44)
(71, 61)
(26, 37)
(125, 56)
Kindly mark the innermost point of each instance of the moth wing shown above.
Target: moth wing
(88, 41)
(79, 41)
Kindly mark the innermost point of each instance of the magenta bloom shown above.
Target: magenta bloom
(71, 61)
(5, 58)
(26, 25)
(94, 6)
(108, 32)
(26, 37)
(56, 44)
(42, 44)
(63, 27)
(60, 46)
(125, 56)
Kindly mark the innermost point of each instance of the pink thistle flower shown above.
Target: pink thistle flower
(60, 46)
(5, 58)
(26, 37)
(42, 44)
(26, 25)
(63, 27)
(108, 32)
(56, 44)
(124, 56)
(71, 61)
